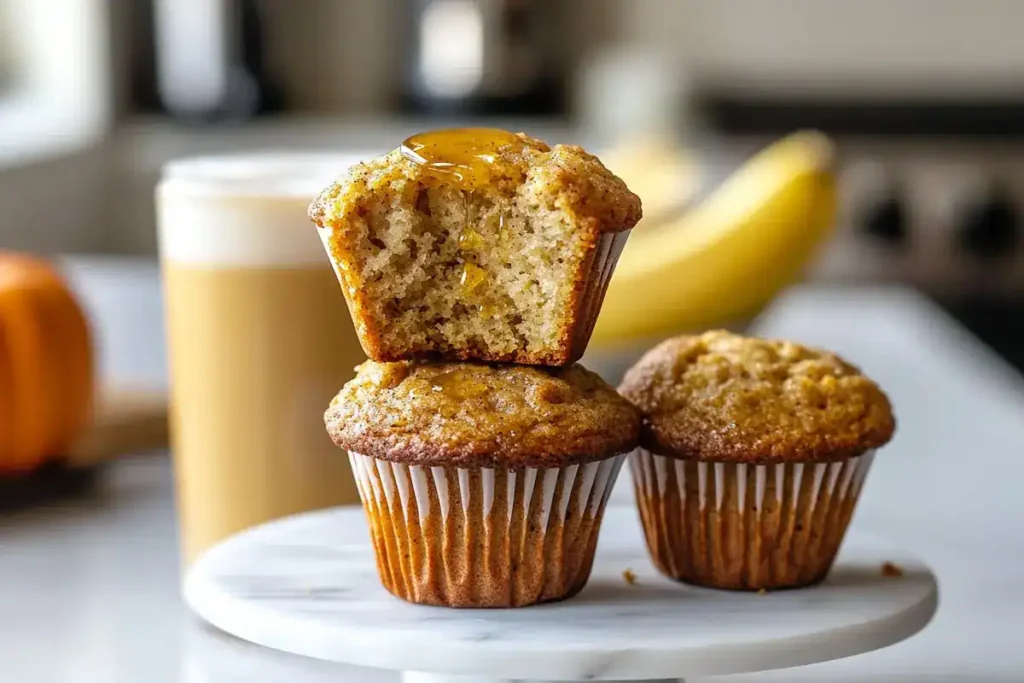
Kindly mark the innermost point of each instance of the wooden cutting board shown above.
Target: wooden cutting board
(126, 422)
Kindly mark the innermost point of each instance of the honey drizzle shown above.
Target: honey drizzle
(458, 384)
(467, 155)
(467, 158)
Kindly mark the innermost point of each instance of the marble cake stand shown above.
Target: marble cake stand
(308, 585)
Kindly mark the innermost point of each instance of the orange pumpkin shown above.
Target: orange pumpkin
(46, 364)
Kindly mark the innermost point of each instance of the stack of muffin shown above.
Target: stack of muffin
(474, 263)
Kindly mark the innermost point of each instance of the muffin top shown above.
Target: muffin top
(723, 397)
(481, 415)
(490, 161)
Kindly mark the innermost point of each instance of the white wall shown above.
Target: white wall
(52, 120)
(873, 47)
(55, 206)
(876, 47)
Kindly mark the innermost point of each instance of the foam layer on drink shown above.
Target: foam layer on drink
(245, 210)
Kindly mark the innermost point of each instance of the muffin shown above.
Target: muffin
(752, 455)
(476, 244)
(483, 486)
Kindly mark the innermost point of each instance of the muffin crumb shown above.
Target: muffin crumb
(891, 570)
(629, 577)
(762, 591)
(493, 270)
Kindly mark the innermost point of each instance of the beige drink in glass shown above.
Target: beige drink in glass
(260, 340)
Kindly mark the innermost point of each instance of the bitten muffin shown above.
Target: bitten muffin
(484, 486)
(476, 244)
(752, 455)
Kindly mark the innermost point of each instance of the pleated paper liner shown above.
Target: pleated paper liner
(595, 284)
(746, 527)
(481, 537)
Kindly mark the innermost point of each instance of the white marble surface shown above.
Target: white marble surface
(89, 589)
(308, 585)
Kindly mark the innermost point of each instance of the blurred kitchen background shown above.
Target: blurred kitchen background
(924, 97)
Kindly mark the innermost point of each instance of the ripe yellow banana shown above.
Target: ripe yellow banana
(730, 254)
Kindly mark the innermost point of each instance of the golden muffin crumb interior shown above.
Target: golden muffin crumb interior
(721, 396)
(466, 414)
(484, 264)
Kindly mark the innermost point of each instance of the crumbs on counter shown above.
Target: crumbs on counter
(762, 591)
(629, 577)
(891, 570)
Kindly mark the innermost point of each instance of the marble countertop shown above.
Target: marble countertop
(89, 589)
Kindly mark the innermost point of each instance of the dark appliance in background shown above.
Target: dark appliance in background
(484, 57)
(932, 195)
(201, 60)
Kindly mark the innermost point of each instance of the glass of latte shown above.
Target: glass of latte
(259, 340)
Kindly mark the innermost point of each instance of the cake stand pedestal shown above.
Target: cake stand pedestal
(308, 585)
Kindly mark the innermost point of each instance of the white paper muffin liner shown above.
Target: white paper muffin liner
(606, 255)
(483, 537)
(740, 526)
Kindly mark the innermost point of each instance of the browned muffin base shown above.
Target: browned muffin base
(791, 541)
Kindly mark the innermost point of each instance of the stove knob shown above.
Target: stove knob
(886, 220)
(988, 228)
